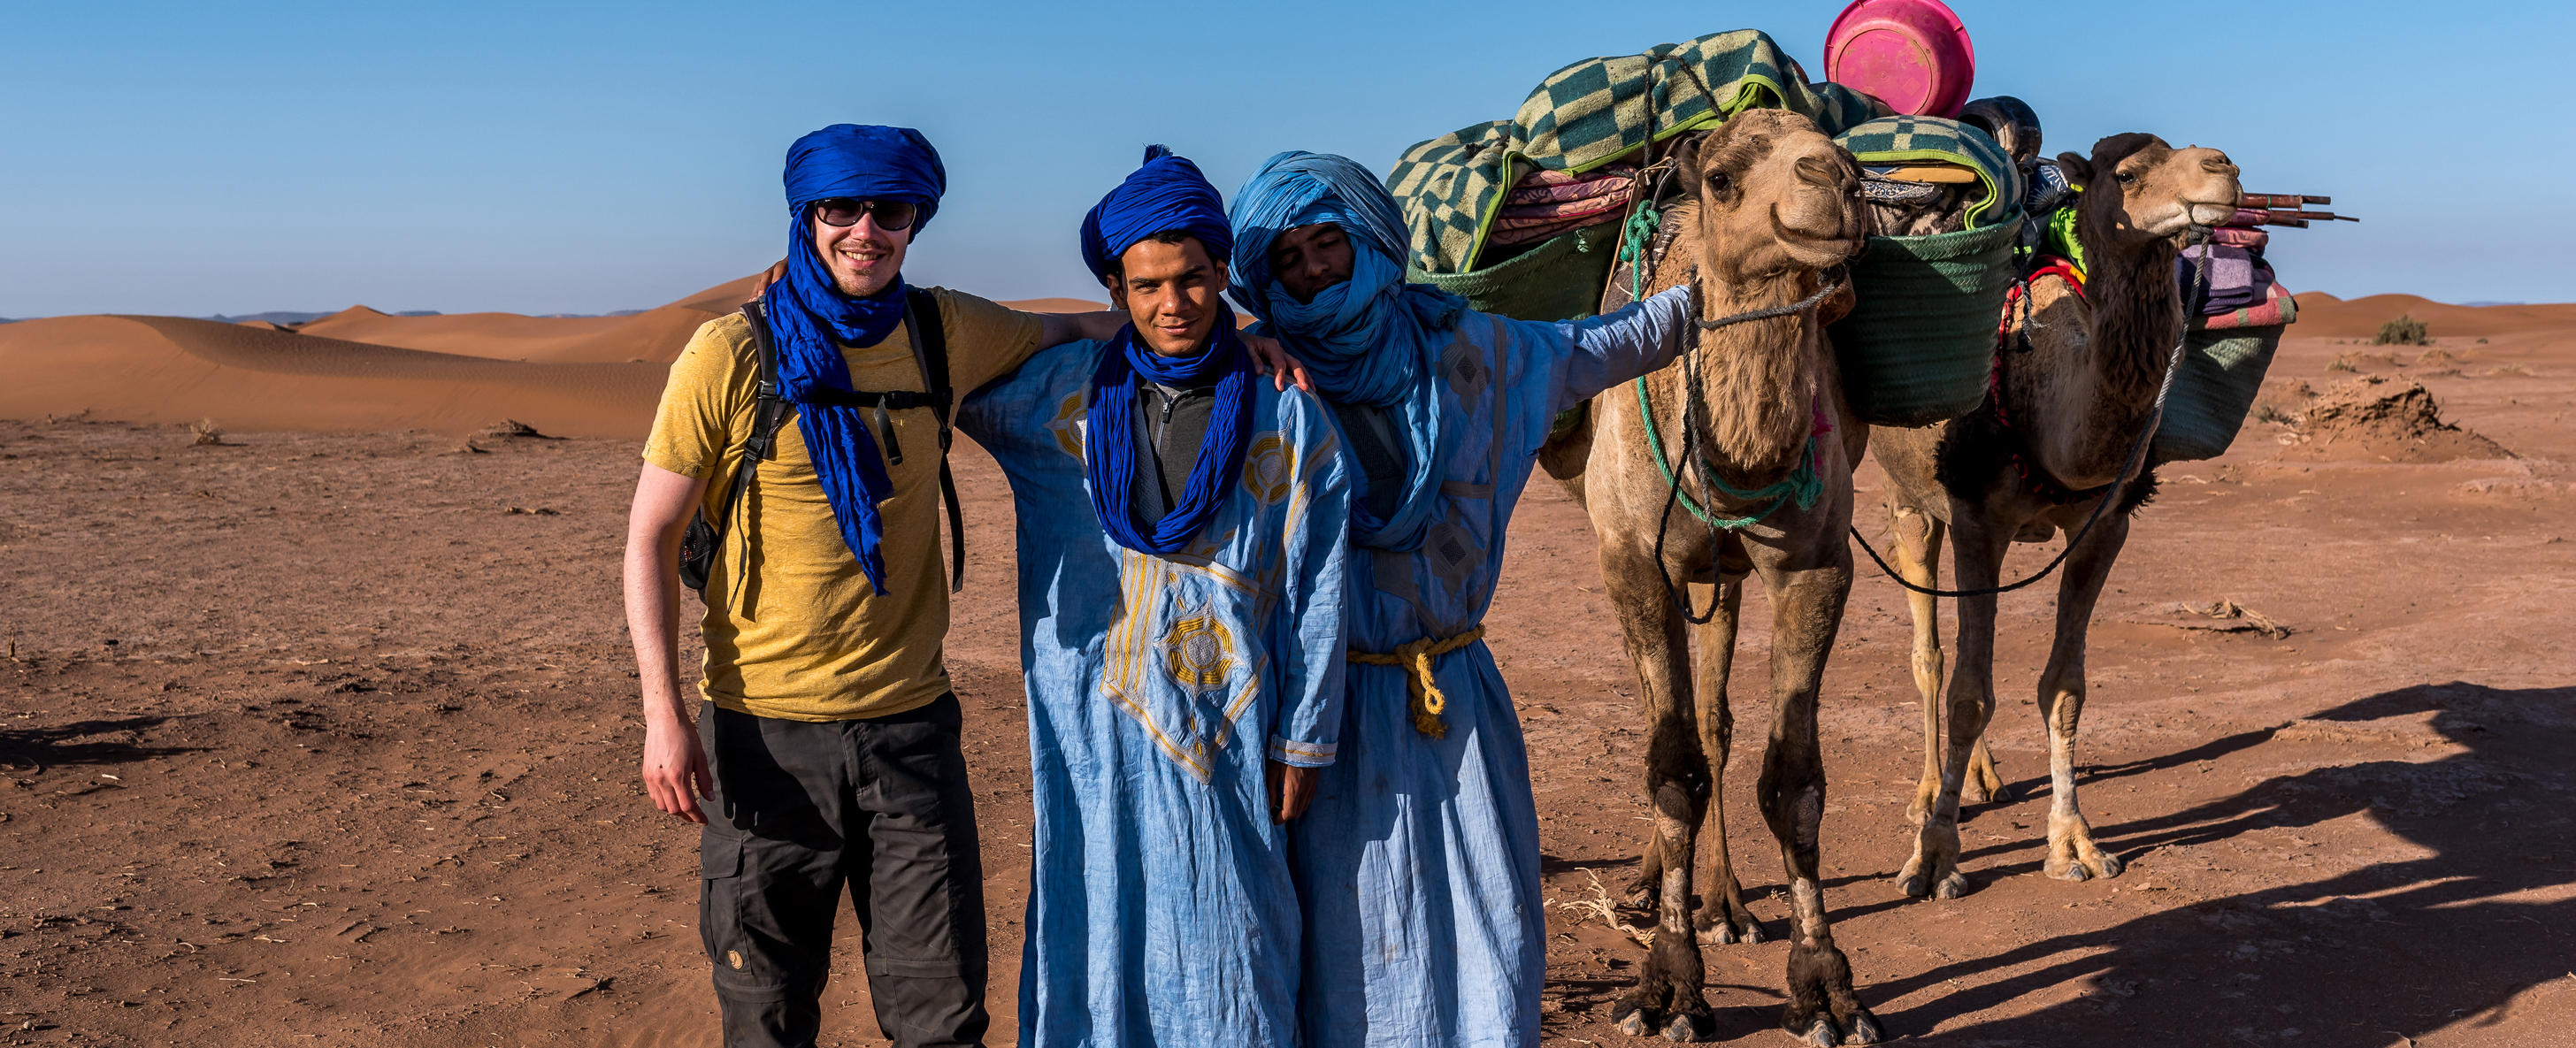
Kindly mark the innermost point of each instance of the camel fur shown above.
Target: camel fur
(2079, 380)
(1773, 205)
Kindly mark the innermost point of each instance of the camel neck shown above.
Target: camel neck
(1757, 379)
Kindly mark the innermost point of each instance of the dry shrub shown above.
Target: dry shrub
(208, 433)
(2342, 362)
(2434, 356)
(2509, 369)
(2403, 331)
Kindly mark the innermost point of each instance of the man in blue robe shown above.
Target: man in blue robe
(1417, 865)
(1182, 533)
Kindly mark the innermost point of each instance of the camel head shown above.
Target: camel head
(1774, 196)
(2138, 191)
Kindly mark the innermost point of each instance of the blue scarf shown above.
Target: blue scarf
(810, 319)
(1372, 339)
(1167, 193)
(1111, 449)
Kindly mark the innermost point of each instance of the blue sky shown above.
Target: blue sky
(573, 157)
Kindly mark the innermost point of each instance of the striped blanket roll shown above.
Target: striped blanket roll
(1590, 114)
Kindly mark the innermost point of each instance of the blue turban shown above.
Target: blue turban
(1372, 339)
(1166, 193)
(810, 319)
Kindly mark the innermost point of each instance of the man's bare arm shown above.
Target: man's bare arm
(1056, 329)
(675, 766)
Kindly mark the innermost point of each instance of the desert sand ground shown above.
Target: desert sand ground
(313, 738)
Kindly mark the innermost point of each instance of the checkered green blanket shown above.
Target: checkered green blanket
(1895, 139)
(1590, 113)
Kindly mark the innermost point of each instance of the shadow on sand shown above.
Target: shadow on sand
(2390, 951)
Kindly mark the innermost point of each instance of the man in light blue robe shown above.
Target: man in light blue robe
(1418, 863)
(1182, 540)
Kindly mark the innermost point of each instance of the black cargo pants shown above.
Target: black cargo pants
(800, 809)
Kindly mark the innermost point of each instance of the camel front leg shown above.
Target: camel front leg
(1823, 1008)
(1723, 918)
(1918, 560)
(1979, 545)
(1667, 996)
(2072, 855)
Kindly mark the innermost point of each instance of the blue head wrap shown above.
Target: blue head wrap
(1166, 194)
(1372, 339)
(810, 319)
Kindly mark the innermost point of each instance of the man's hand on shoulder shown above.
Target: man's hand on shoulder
(1272, 359)
(675, 768)
(760, 284)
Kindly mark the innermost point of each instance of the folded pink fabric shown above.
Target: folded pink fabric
(1545, 177)
(1564, 209)
(2233, 237)
(1549, 194)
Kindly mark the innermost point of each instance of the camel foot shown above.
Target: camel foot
(2081, 862)
(1724, 933)
(1920, 883)
(1817, 1030)
(1688, 1028)
(1640, 1012)
(1984, 785)
(1635, 1020)
(1723, 919)
(1860, 1027)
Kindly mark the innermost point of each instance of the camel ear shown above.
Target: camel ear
(2077, 169)
(1685, 157)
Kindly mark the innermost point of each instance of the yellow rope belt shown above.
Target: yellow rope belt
(1416, 658)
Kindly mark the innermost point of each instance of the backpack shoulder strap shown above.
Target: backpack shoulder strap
(768, 404)
(767, 410)
(930, 351)
(929, 332)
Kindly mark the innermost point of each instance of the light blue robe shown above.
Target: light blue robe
(1161, 908)
(1418, 864)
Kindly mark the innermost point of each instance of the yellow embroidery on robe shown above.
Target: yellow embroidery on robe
(1067, 425)
(1198, 651)
(1267, 468)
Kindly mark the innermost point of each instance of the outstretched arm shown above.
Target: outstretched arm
(1635, 340)
(674, 763)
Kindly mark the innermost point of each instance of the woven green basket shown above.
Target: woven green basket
(1557, 280)
(2221, 372)
(1921, 337)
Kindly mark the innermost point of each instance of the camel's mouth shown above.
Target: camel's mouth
(1817, 247)
(2205, 214)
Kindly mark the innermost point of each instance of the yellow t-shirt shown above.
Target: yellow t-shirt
(801, 636)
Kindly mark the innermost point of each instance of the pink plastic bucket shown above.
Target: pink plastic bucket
(1911, 54)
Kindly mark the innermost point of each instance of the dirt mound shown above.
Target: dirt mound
(2372, 417)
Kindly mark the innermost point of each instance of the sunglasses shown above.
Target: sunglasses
(845, 211)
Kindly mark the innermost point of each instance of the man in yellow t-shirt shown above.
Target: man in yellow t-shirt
(831, 755)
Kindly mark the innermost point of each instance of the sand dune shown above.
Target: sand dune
(2328, 316)
(655, 335)
(360, 369)
(173, 370)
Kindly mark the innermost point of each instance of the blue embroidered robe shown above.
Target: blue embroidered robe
(1418, 864)
(1161, 909)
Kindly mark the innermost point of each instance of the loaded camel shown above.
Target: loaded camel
(2076, 384)
(1772, 206)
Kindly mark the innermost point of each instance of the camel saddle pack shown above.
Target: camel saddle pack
(929, 334)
